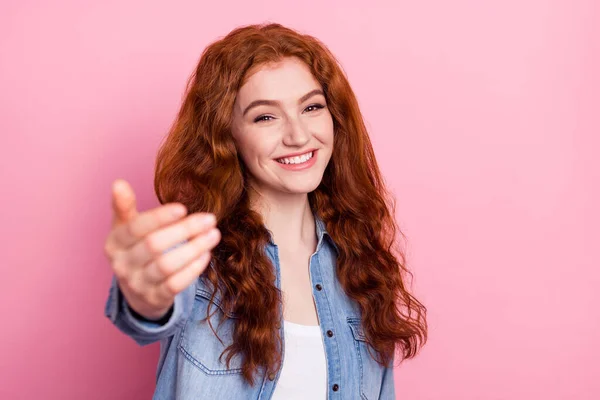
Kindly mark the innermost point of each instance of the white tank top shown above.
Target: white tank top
(304, 371)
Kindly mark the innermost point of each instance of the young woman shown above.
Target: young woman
(285, 280)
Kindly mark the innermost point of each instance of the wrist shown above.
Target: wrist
(159, 318)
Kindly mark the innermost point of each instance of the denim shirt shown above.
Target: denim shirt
(189, 365)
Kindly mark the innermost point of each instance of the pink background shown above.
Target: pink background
(484, 117)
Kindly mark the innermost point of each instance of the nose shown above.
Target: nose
(296, 133)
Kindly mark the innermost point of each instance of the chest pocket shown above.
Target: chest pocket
(198, 342)
(371, 372)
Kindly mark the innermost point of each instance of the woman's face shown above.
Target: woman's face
(283, 129)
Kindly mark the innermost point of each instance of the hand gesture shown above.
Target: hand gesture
(148, 276)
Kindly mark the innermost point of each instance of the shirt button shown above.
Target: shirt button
(330, 333)
(335, 387)
(319, 287)
(272, 377)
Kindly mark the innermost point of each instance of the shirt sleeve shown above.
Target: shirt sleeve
(147, 332)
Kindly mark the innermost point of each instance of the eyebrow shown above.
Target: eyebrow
(302, 99)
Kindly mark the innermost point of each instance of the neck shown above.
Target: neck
(289, 218)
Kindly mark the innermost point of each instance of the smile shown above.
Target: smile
(297, 159)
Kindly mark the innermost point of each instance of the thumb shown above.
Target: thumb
(123, 202)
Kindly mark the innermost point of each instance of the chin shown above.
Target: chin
(304, 187)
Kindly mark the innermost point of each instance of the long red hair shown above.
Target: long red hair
(199, 166)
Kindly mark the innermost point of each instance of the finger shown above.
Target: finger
(124, 202)
(169, 263)
(179, 281)
(159, 241)
(126, 235)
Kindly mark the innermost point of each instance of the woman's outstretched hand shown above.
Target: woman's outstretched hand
(148, 277)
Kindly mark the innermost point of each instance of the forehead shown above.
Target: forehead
(288, 79)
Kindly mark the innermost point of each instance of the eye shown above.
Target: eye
(261, 118)
(314, 107)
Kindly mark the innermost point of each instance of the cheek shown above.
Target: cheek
(249, 154)
(324, 129)
(254, 148)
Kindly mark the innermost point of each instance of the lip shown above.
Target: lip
(300, 167)
(296, 154)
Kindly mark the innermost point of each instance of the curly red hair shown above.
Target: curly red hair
(199, 166)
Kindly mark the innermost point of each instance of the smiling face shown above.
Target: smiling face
(283, 129)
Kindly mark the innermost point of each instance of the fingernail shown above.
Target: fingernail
(117, 186)
(205, 219)
(178, 211)
(214, 234)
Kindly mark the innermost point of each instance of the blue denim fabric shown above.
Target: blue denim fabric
(189, 366)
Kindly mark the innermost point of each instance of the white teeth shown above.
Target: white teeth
(296, 160)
